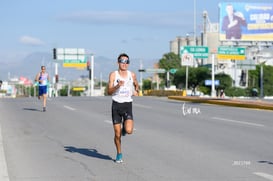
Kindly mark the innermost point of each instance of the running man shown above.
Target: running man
(122, 86)
(42, 78)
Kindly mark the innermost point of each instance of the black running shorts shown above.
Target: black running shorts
(121, 112)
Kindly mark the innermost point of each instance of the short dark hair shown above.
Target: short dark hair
(123, 55)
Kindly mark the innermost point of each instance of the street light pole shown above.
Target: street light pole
(56, 81)
(92, 75)
(141, 81)
(187, 67)
(213, 94)
(194, 22)
(261, 80)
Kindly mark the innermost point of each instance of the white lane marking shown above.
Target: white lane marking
(4, 176)
(239, 122)
(70, 108)
(107, 121)
(142, 106)
(264, 175)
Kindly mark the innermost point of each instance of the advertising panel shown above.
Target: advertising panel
(245, 21)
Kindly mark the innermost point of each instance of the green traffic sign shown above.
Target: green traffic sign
(236, 53)
(74, 61)
(197, 51)
(155, 70)
(231, 50)
(172, 71)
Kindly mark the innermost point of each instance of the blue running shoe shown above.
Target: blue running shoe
(119, 158)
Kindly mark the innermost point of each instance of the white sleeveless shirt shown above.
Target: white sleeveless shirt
(123, 93)
(43, 77)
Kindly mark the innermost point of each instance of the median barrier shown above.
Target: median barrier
(253, 104)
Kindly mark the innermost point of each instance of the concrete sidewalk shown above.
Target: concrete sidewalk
(235, 102)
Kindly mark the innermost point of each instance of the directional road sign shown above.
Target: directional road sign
(234, 53)
(72, 57)
(172, 71)
(155, 70)
(197, 51)
(81, 62)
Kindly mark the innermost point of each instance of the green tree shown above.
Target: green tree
(179, 79)
(196, 77)
(147, 84)
(254, 79)
(268, 80)
(64, 91)
(225, 83)
(167, 62)
(224, 79)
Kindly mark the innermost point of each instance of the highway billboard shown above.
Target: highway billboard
(245, 21)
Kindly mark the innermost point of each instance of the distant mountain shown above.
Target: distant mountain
(30, 66)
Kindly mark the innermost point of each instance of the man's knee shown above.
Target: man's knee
(129, 126)
(129, 131)
(117, 137)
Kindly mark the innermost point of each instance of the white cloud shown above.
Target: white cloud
(28, 40)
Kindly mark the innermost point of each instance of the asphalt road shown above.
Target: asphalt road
(173, 140)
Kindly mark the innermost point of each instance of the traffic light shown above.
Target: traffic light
(88, 65)
(56, 78)
(54, 53)
(90, 74)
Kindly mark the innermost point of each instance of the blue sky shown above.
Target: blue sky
(141, 28)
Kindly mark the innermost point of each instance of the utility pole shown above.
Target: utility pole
(88, 66)
(261, 80)
(213, 93)
(56, 72)
(92, 75)
(56, 79)
(141, 81)
(187, 67)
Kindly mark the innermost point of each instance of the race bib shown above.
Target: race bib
(124, 91)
